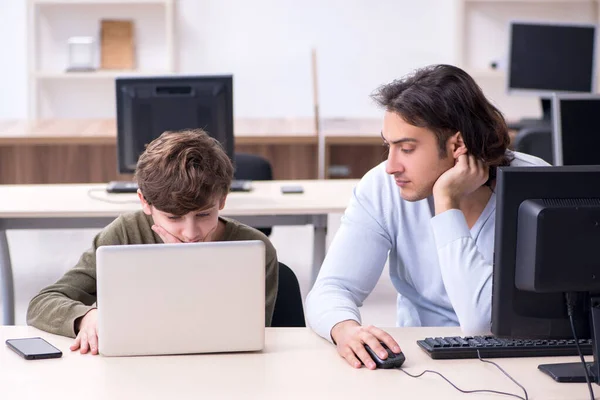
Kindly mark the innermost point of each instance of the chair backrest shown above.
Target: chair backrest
(289, 311)
(536, 141)
(253, 168)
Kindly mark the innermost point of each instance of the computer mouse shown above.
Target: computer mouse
(393, 360)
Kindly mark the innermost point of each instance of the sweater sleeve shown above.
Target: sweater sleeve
(353, 264)
(271, 282)
(57, 306)
(467, 275)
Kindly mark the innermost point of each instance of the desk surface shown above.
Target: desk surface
(40, 201)
(295, 363)
(247, 131)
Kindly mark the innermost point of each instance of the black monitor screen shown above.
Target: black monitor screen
(147, 107)
(551, 58)
(577, 130)
(524, 314)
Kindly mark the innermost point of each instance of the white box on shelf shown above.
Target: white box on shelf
(82, 50)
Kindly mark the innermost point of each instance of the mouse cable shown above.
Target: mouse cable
(571, 301)
(91, 195)
(477, 390)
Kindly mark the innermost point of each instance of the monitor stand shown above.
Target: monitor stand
(574, 372)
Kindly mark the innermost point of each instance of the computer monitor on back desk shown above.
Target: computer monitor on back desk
(576, 129)
(547, 58)
(149, 106)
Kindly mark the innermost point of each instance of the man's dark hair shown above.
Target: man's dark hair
(445, 99)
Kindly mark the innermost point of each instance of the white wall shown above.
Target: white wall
(266, 44)
(13, 61)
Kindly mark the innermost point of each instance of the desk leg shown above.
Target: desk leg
(6, 282)
(320, 237)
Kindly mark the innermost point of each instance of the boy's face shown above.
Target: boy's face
(196, 226)
(414, 158)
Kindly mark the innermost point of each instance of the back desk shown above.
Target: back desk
(89, 206)
(295, 364)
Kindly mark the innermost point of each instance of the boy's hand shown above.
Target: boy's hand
(467, 175)
(164, 235)
(87, 338)
(351, 337)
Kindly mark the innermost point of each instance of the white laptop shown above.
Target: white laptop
(181, 298)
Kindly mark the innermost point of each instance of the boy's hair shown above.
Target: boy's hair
(446, 100)
(183, 171)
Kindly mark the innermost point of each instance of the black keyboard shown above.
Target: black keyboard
(453, 347)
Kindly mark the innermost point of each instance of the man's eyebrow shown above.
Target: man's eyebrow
(399, 141)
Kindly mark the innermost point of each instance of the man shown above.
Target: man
(183, 179)
(430, 206)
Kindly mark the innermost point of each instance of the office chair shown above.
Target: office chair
(537, 141)
(253, 168)
(289, 311)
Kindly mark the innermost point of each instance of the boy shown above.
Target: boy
(183, 180)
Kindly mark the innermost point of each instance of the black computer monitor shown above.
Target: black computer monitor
(149, 106)
(576, 129)
(544, 58)
(547, 242)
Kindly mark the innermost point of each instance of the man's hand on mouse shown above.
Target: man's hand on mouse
(350, 338)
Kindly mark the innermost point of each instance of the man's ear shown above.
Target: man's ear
(222, 202)
(147, 208)
(457, 145)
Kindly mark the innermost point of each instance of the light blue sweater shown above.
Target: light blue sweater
(441, 269)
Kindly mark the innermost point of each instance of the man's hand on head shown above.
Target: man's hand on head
(164, 235)
(467, 175)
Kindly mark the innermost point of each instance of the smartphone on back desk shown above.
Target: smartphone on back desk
(34, 348)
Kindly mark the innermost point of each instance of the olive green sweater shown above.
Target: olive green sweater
(56, 308)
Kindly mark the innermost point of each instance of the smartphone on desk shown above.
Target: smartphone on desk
(34, 348)
(292, 189)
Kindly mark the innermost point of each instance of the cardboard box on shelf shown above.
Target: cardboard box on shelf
(117, 44)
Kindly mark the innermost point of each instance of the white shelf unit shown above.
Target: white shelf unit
(482, 38)
(38, 74)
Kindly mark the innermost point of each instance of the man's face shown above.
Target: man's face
(195, 226)
(414, 158)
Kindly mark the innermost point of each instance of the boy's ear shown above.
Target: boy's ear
(145, 206)
(457, 145)
(222, 202)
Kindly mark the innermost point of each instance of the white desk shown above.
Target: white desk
(295, 364)
(89, 206)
